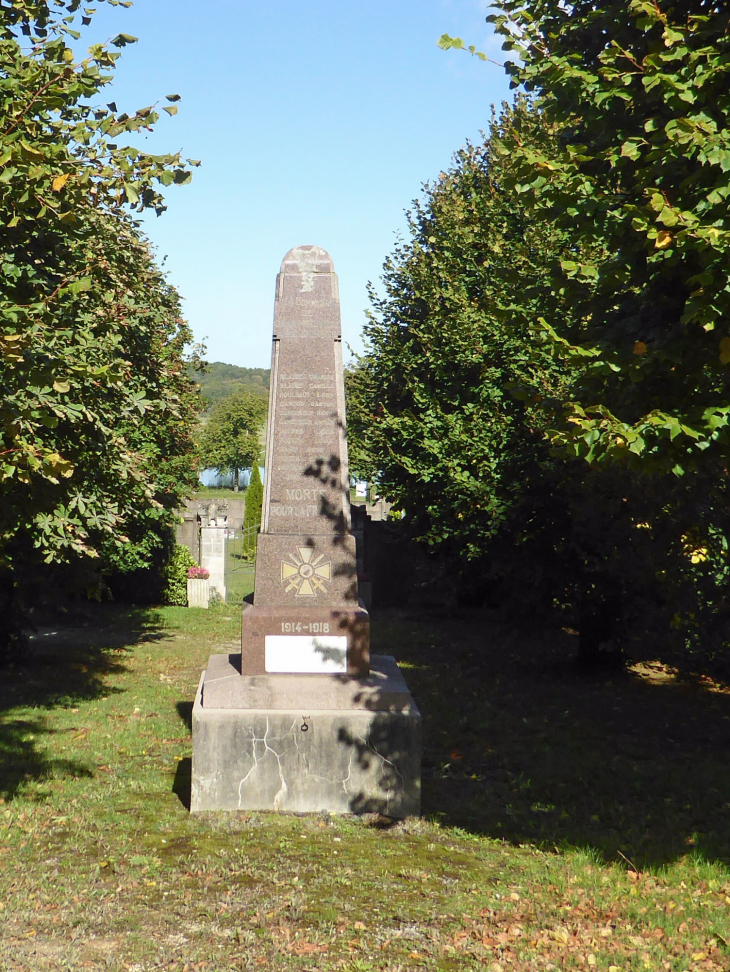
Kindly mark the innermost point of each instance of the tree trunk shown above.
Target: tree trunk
(12, 639)
(599, 623)
(236, 474)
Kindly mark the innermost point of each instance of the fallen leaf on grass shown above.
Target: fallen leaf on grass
(307, 948)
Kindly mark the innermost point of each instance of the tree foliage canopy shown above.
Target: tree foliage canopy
(452, 408)
(97, 409)
(442, 409)
(638, 94)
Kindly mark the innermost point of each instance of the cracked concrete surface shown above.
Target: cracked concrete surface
(354, 761)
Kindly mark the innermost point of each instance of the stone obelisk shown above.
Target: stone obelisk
(304, 719)
(306, 616)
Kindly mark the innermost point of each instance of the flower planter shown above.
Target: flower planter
(198, 592)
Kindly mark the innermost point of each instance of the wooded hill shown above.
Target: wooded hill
(222, 380)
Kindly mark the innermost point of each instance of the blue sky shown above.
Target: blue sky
(315, 123)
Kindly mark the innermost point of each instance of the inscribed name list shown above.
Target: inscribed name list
(307, 458)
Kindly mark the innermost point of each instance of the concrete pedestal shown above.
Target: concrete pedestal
(306, 742)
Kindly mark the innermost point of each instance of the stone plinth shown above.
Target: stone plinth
(382, 690)
(306, 743)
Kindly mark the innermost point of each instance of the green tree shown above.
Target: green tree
(636, 96)
(436, 409)
(639, 93)
(231, 438)
(252, 513)
(97, 409)
(450, 410)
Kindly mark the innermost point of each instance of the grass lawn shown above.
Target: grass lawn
(239, 568)
(218, 493)
(568, 823)
(239, 583)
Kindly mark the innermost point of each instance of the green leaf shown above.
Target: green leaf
(446, 43)
(121, 40)
(631, 149)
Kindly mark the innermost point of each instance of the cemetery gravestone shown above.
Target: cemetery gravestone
(304, 719)
(213, 557)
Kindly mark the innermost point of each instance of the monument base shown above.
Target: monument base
(348, 626)
(355, 748)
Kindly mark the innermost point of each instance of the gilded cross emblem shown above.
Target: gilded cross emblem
(305, 574)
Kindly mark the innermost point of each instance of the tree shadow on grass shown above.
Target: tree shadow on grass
(66, 664)
(519, 747)
(20, 760)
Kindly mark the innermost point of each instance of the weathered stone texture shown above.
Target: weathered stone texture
(352, 760)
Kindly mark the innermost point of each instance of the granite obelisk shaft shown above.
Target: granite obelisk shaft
(306, 615)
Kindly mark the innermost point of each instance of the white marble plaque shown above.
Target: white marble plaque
(305, 654)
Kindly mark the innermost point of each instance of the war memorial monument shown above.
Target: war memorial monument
(304, 718)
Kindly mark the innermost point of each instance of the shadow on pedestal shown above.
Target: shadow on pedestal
(306, 743)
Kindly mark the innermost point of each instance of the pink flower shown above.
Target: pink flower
(198, 573)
